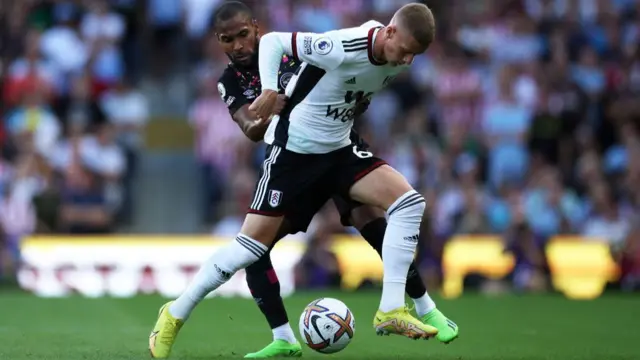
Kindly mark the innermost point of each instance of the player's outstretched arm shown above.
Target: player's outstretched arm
(253, 128)
(249, 123)
(238, 104)
(322, 50)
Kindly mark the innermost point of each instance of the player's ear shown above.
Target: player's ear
(389, 31)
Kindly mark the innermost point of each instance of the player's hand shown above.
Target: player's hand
(264, 105)
(361, 107)
(262, 123)
(280, 103)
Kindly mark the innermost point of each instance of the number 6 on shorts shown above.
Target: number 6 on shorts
(362, 154)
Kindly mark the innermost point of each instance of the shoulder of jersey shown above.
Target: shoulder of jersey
(371, 23)
(227, 77)
(229, 73)
(355, 40)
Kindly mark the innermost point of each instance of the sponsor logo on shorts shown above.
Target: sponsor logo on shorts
(275, 197)
(323, 46)
(230, 100)
(306, 44)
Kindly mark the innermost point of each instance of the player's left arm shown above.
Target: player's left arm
(321, 50)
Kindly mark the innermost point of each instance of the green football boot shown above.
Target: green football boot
(447, 329)
(278, 348)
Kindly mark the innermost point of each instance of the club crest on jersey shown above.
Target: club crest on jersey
(222, 90)
(284, 79)
(275, 197)
(323, 46)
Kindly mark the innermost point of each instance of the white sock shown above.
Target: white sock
(399, 246)
(217, 270)
(424, 304)
(284, 332)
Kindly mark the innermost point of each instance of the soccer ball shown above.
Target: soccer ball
(327, 325)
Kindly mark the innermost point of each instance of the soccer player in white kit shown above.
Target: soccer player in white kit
(310, 150)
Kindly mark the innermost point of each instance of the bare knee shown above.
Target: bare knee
(261, 228)
(362, 215)
(381, 187)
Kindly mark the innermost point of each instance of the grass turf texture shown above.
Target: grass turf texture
(512, 327)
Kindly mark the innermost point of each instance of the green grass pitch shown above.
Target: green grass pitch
(512, 327)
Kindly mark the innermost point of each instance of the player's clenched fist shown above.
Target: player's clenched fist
(280, 103)
(264, 105)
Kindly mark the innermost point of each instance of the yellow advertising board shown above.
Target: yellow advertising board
(465, 255)
(580, 268)
(128, 265)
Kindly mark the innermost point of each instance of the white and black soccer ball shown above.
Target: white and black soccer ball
(327, 325)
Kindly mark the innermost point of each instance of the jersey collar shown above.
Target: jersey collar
(373, 32)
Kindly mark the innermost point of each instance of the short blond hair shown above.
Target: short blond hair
(417, 19)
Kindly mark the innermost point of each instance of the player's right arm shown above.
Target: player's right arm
(249, 123)
(238, 105)
(253, 128)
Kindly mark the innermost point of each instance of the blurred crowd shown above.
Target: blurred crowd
(71, 120)
(522, 120)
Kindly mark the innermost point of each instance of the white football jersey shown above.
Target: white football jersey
(339, 69)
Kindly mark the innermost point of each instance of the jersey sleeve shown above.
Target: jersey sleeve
(371, 24)
(231, 92)
(321, 50)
